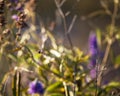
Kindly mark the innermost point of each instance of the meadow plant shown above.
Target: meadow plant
(35, 87)
(34, 66)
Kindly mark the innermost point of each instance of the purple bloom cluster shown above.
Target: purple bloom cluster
(93, 45)
(35, 87)
(93, 50)
(93, 73)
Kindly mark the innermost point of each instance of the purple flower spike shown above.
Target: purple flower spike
(35, 87)
(92, 63)
(93, 73)
(93, 49)
(93, 46)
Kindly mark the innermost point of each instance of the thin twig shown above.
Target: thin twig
(72, 23)
(113, 19)
(66, 89)
(97, 70)
(59, 9)
(65, 25)
(105, 7)
(5, 84)
(67, 32)
(110, 42)
(63, 1)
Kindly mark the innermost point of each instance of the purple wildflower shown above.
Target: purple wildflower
(93, 49)
(14, 17)
(92, 63)
(105, 82)
(35, 87)
(93, 73)
(93, 46)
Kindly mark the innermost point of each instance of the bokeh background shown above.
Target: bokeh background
(37, 32)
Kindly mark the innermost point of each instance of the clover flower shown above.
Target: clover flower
(35, 87)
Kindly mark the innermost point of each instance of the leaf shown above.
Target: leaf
(117, 36)
(56, 94)
(54, 86)
(117, 61)
(53, 41)
(16, 84)
(98, 33)
(11, 56)
(84, 59)
(115, 84)
(56, 71)
(4, 83)
(55, 53)
(78, 52)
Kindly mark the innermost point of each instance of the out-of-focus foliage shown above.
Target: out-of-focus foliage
(34, 64)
